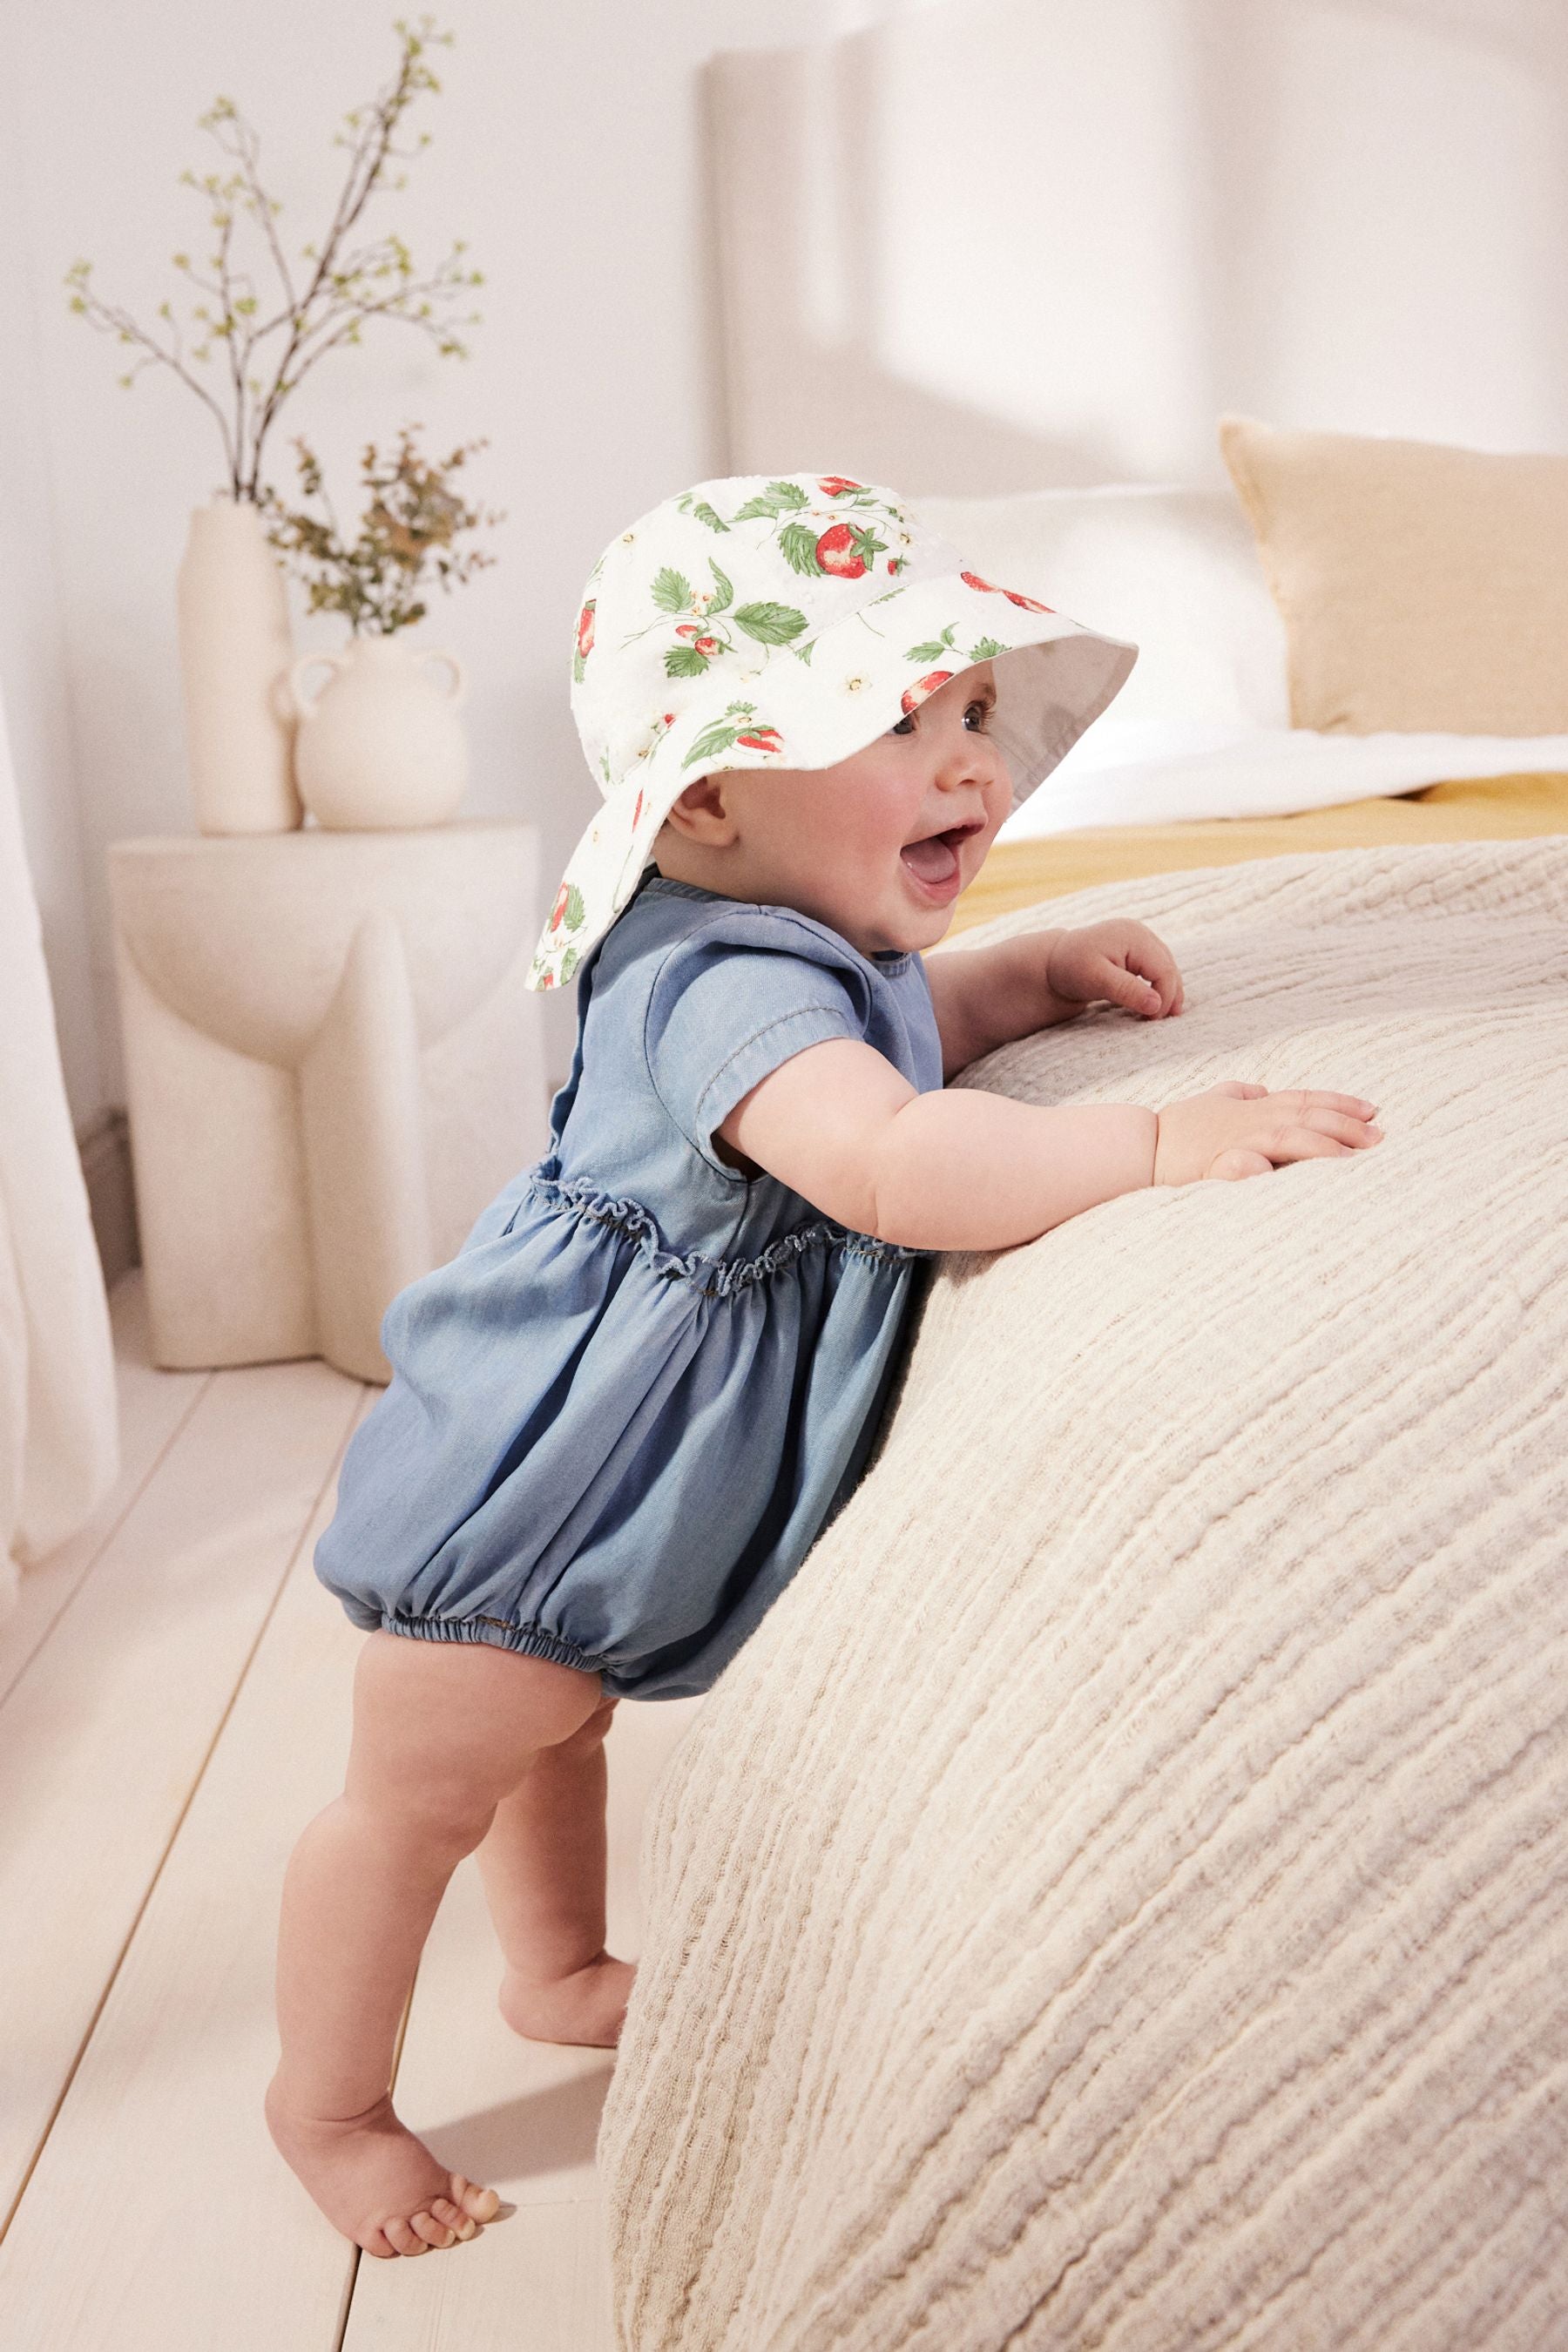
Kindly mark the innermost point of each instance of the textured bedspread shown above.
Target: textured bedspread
(1120, 1897)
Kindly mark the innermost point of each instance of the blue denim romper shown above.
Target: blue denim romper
(622, 1414)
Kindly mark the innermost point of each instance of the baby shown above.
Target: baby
(620, 1417)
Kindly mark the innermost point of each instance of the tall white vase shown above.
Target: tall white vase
(234, 653)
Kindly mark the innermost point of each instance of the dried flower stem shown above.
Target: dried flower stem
(345, 289)
(414, 516)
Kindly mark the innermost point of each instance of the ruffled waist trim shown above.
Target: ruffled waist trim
(715, 1277)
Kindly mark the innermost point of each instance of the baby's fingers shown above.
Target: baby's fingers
(1310, 1099)
(1119, 984)
(1306, 1143)
(1355, 1131)
(1237, 1163)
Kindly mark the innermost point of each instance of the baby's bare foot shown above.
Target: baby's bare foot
(375, 2182)
(587, 2006)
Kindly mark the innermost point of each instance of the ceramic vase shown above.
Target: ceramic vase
(381, 744)
(235, 654)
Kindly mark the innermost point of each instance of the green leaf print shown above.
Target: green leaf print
(933, 648)
(573, 914)
(738, 716)
(769, 625)
(671, 593)
(779, 498)
(798, 545)
(684, 661)
(569, 963)
(702, 513)
(803, 653)
(987, 650)
(724, 595)
(719, 736)
(578, 668)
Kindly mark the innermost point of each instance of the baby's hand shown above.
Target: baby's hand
(1241, 1130)
(1120, 960)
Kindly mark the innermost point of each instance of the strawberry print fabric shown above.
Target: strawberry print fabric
(787, 621)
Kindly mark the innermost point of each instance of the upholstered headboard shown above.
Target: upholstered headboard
(1000, 245)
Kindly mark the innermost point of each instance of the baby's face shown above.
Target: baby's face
(879, 847)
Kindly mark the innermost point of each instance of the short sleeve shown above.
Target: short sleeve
(732, 1001)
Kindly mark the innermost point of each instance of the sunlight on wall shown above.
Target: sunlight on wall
(1036, 223)
(1412, 190)
(999, 244)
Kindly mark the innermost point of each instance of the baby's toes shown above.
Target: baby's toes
(462, 2225)
(483, 2204)
(433, 2232)
(405, 2237)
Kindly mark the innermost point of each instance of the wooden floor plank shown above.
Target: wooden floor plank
(107, 1733)
(152, 1405)
(522, 2115)
(158, 2212)
(160, 2218)
(549, 2292)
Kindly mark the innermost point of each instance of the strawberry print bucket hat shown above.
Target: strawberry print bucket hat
(787, 621)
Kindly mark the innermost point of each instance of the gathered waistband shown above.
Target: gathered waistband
(715, 1277)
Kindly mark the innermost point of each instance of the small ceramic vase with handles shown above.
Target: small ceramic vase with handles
(381, 746)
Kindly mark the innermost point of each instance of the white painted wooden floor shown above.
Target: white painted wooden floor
(174, 1708)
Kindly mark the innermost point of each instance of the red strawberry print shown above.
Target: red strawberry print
(547, 979)
(837, 552)
(637, 811)
(761, 738)
(922, 687)
(585, 630)
(833, 486)
(707, 645)
(560, 909)
(688, 629)
(1029, 603)
(895, 563)
(973, 580)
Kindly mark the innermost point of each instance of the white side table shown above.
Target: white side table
(332, 1064)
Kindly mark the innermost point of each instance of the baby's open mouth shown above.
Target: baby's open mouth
(935, 858)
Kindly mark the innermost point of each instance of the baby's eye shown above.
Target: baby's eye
(905, 726)
(984, 710)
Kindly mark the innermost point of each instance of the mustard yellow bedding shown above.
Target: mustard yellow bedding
(1489, 808)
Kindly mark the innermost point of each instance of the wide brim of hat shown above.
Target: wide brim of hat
(815, 706)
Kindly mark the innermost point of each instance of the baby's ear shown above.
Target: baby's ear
(701, 805)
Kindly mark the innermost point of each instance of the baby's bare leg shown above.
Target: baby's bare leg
(543, 1862)
(442, 1732)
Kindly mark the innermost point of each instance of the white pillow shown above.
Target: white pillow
(1177, 571)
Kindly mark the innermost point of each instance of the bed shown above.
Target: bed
(1117, 1898)
(1020, 874)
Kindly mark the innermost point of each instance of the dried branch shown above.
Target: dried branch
(343, 286)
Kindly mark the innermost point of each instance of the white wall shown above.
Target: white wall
(564, 149)
(1028, 242)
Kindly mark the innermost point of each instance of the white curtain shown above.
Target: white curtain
(59, 1437)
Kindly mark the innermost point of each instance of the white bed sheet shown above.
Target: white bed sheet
(1164, 771)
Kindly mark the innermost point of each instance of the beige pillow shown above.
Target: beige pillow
(1424, 589)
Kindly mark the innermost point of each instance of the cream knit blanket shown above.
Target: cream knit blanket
(1120, 1895)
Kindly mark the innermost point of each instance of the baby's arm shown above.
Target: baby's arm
(985, 997)
(963, 1170)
